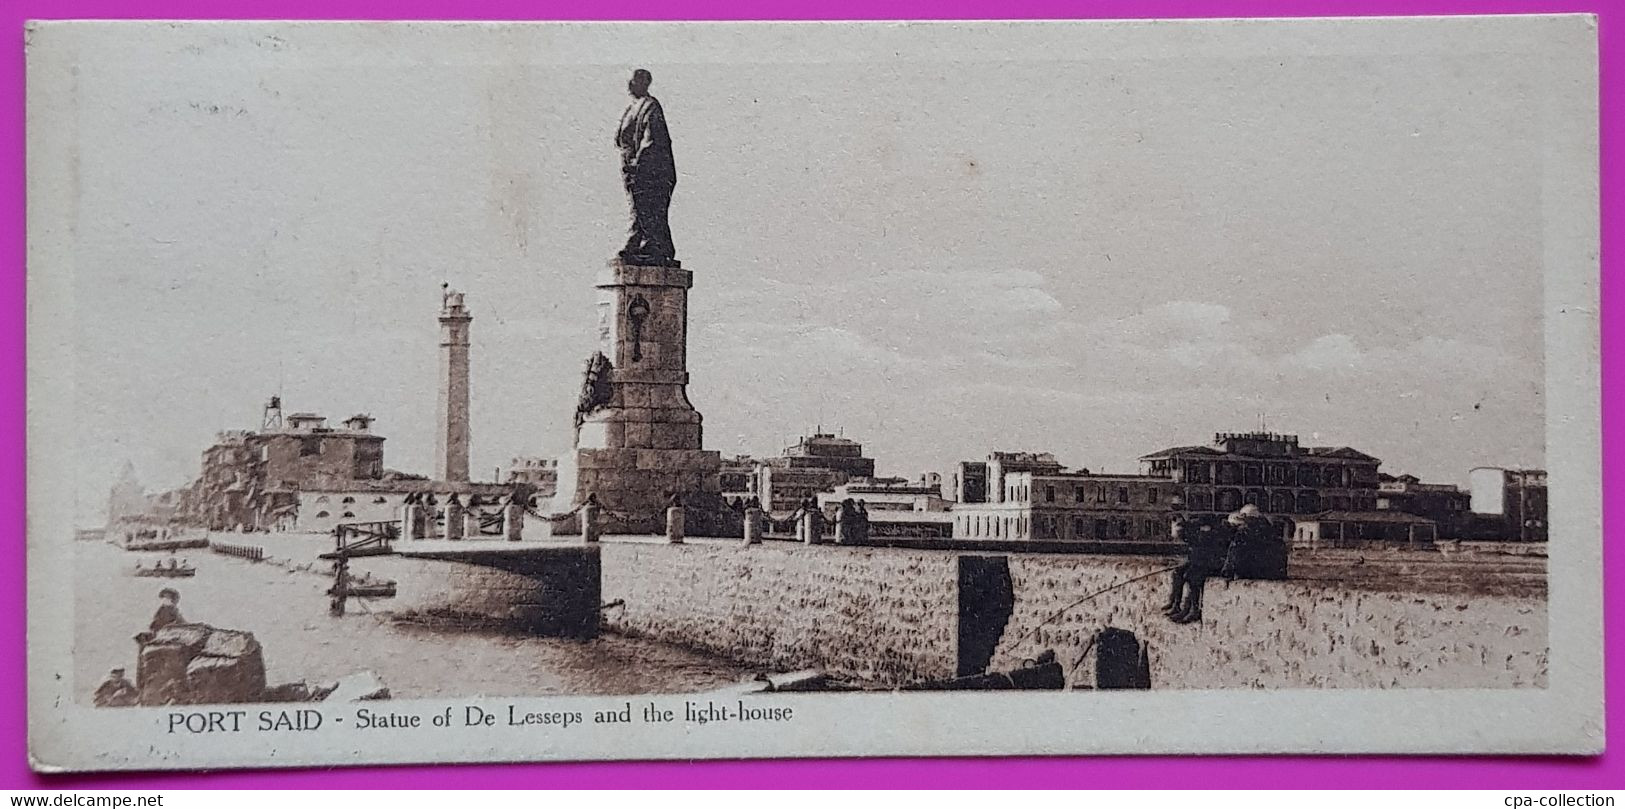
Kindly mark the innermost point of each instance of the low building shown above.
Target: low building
(250, 480)
(320, 509)
(814, 465)
(540, 474)
(888, 494)
(1364, 529)
(785, 489)
(1508, 504)
(1072, 506)
(825, 451)
(739, 478)
(1443, 503)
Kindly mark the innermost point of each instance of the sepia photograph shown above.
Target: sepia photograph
(416, 392)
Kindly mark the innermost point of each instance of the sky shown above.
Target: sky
(939, 243)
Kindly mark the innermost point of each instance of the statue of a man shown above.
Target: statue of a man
(649, 174)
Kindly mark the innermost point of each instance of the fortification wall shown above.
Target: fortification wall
(890, 616)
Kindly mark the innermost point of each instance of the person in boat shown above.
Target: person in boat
(116, 691)
(1206, 549)
(169, 610)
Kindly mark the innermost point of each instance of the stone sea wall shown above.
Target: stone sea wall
(891, 616)
(1278, 634)
(872, 615)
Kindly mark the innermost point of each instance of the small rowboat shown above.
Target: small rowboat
(166, 572)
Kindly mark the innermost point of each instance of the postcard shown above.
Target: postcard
(445, 392)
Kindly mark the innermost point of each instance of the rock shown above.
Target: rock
(289, 692)
(190, 636)
(189, 664)
(161, 674)
(211, 679)
(357, 687)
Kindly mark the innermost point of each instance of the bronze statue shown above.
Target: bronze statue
(649, 174)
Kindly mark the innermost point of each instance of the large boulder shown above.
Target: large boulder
(189, 664)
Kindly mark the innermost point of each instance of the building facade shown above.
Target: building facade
(1444, 504)
(1072, 506)
(1268, 470)
(321, 508)
(815, 465)
(540, 474)
(1364, 529)
(826, 451)
(1508, 504)
(251, 480)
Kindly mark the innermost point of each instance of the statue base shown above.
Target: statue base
(634, 487)
(639, 440)
(637, 260)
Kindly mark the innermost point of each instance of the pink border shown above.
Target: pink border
(1522, 773)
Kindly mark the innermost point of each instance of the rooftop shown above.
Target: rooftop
(1366, 516)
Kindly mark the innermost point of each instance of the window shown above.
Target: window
(1100, 529)
(1078, 493)
(1151, 495)
(349, 500)
(321, 499)
(1080, 527)
(1049, 494)
(1122, 494)
(310, 445)
(1122, 529)
(349, 514)
(322, 515)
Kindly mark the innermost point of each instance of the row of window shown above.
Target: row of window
(1277, 502)
(377, 501)
(1048, 526)
(1103, 494)
(1283, 474)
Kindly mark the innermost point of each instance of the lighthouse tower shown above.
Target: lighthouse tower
(451, 442)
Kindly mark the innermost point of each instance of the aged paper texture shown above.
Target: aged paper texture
(506, 392)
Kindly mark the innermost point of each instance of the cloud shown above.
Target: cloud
(1327, 352)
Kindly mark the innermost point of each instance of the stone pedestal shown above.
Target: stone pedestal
(640, 440)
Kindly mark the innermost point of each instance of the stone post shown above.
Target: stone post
(589, 521)
(513, 520)
(674, 525)
(471, 524)
(753, 526)
(844, 529)
(454, 518)
(409, 521)
(812, 527)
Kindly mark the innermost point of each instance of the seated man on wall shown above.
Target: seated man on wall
(1207, 548)
(1258, 549)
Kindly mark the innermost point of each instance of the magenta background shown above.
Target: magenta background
(1120, 772)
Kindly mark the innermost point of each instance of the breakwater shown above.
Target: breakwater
(889, 616)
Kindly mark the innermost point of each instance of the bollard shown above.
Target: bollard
(812, 529)
(471, 524)
(454, 519)
(409, 521)
(753, 526)
(843, 528)
(513, 521)
(674, 525)
(589, 522)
